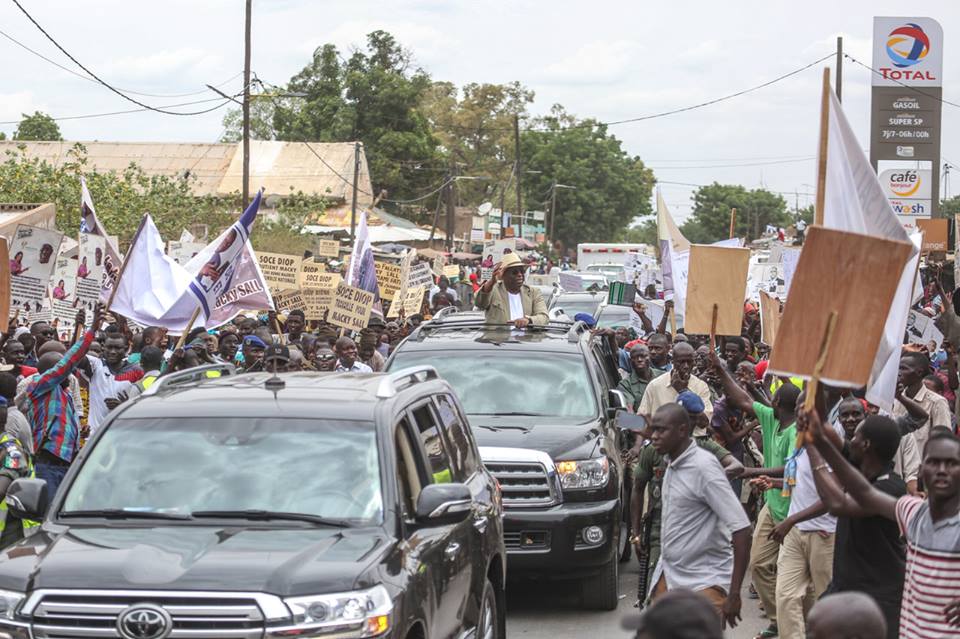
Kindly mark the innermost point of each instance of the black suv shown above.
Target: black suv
(541, 404)
(304, 505)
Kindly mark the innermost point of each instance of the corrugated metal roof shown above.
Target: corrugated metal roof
(218, 168)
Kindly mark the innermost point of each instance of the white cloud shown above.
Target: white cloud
(599, 62)
(426, 42)
(14, 105)
(165, 64)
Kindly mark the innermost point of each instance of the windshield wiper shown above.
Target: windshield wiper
(265, 515)
(123, 513)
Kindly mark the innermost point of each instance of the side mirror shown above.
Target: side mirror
(444, 504)
(618, 402)
(27, 499)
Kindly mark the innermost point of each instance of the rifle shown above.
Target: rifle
(644, 557)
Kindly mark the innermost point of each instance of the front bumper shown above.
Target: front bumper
(549, 542)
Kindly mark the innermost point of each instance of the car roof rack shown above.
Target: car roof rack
(478, 323)
(578, 328)
(195, 374)
(443, 312)
(404, 378)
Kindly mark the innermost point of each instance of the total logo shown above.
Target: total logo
(905, 184)
(907, 45)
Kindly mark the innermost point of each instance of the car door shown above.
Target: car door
(453, 570)
(484, 519)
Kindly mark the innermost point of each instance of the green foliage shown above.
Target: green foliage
(710, 220)
(806, 214)
(122, 199)
(950, 206)
(38, 126)
(374, 97)
(612, 188)
(643, 233)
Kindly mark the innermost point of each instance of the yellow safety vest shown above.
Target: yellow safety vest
(27, 523)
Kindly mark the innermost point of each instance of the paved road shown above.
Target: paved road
(550, 610)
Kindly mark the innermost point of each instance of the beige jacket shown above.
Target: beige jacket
(496, 305)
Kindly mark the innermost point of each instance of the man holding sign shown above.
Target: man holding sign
(505, 299)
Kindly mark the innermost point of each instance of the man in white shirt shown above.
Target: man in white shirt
(913, 368)
(443, 286)
(347, 362)
(805, 563)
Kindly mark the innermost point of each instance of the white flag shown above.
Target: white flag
(90, 223)
(855, 202)
(671, 242)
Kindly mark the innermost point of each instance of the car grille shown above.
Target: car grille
(522, 483)
(60, 615)
(526, 540)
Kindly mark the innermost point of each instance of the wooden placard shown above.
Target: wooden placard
(4, 280)
(288, 300)
(281, 271)
(351, 308)
(769, 317)
(852, 275)
(410, 302)
(328, 248)
(717, 275)
(317, 302)
(935, 232)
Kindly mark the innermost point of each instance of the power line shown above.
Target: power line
(95, 76)
(912, 88)
(89, 79)
(222, 104)
(727, 166)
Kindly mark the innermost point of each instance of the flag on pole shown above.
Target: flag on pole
(152, 282)
(854, 201)
(363, 272)
(90, 223)
(670, 242)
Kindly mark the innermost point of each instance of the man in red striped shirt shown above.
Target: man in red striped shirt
(930, 607)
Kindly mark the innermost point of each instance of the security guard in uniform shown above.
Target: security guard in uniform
(14, 464)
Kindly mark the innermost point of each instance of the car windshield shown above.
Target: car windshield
(185, 465)
(613, 270)
(577, 305)
(512, 381)
(612, 315)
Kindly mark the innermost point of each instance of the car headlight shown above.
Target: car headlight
(9, 602)
(584, 473)
(368, 608)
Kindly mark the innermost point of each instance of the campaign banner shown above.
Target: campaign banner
(388, 278)
(63, 293)
(351, 308)
(182, 252)
(328, 248)
(317, 302)
(32, 262)
(314, 275)
(420, 275)
(281, 271)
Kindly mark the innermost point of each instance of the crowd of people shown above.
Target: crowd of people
(738, 484)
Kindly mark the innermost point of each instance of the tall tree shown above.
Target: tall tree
(612, 187)
(710, 220)
(38, 126)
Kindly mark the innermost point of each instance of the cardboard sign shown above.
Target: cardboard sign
(621, 294)
(570, 282)
(935, 231)
(791, 257)
(30, 263)
(769, 318)
(406, 262)
(317, 302)
(486, 273)
(717, 275)
(351, 308)
(182, 252)
(63, 298)
(497, 248)
(388, 278)
(90, 270)
(855, 276)
(451, 271)
(328, 248)
(420, 275)
(532, 280)
(288, 300)
(315, 275)
(410, 302)
(280, 271)
(921, 330)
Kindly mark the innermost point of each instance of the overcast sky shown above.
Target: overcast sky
(608, 60)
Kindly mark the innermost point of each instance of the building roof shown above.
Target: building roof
(217, 168)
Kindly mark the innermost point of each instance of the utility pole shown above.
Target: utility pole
(553, 211)
(519, 175)
(246, 106)
(839, 68)
(451, 206)
(353, 201)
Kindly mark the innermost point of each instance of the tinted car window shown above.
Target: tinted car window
(461, 449)
(511, 381)
(433, 444)
(190, 464)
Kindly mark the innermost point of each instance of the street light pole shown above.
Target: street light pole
(553, 205)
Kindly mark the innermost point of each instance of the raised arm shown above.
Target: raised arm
(871, 500)
(831, 493)
(735, 395)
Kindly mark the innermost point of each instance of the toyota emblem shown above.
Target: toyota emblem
(144, 621)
